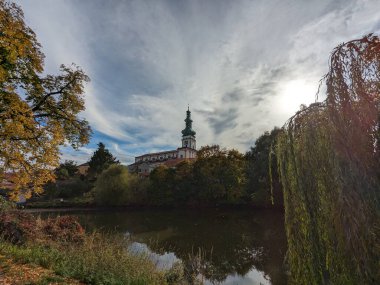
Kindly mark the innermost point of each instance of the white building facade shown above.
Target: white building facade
(145, 163)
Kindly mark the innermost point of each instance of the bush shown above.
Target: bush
(67, 189)
(73, 188)
(5, 204)
(63, 228)
(114, 186)
(19, 227)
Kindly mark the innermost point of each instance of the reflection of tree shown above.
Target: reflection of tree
(230, 241)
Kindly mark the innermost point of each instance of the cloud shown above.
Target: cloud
(243, 66)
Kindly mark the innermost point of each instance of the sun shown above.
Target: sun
(294, 93)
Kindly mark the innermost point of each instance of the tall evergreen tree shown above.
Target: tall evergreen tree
(101, 159)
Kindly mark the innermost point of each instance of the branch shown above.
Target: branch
(39, 104)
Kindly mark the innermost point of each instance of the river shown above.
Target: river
(236, 246)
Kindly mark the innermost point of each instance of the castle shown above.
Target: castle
(145, 163)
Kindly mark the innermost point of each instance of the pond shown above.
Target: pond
(236, 246)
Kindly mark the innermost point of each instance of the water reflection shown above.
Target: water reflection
(237, 246)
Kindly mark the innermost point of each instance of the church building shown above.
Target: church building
(145, 163)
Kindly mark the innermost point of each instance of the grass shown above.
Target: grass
(99, 259)
(61, 246)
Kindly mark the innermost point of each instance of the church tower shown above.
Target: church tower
(188, 135)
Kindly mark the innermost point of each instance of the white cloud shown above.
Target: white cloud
(236, 63)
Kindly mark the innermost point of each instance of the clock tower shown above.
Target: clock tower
(188, 135)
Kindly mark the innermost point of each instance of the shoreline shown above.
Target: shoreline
(73, 208)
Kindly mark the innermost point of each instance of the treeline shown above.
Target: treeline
(217, 177)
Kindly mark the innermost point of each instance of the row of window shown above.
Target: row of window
(160, 158)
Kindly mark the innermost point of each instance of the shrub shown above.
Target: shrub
(5, 204)
(19, 227)
(113, 186)
(63, 228)
(72, 188)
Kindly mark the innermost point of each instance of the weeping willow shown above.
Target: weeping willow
(329, 164)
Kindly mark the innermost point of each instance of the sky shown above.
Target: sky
(243, 66)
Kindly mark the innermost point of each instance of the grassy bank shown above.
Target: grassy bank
(62, 246)
(96, 260)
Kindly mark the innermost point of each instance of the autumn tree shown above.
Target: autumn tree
(38, 113)
(101, 160)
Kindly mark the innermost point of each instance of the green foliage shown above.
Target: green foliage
(73, 188)
(114, 186)
(261, 164)
(67, 169)
(99, 259)
(101, 160)
(6, 205)
(62, 173)
(162, 186)
(217, 176)
(328, 157)
(69, 188)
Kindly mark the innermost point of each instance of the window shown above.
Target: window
(181, 156)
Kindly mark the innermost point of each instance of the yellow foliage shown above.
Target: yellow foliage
(37, 114)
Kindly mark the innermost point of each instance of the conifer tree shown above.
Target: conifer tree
(101, 159)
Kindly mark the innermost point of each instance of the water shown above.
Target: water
(237, 246)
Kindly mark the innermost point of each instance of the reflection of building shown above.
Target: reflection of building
(145, 163)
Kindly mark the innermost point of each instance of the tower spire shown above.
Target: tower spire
(188, 131)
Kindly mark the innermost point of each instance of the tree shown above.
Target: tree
(37, 113)
(329, 165)
(219, 175)
(161, 189)
(261, 164)
(114, 186)
(101, 160)
(67, 169)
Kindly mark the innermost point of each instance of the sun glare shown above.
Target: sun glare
(294, 93)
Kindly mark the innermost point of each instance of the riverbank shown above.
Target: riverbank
(60, 249)
(85, 204)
